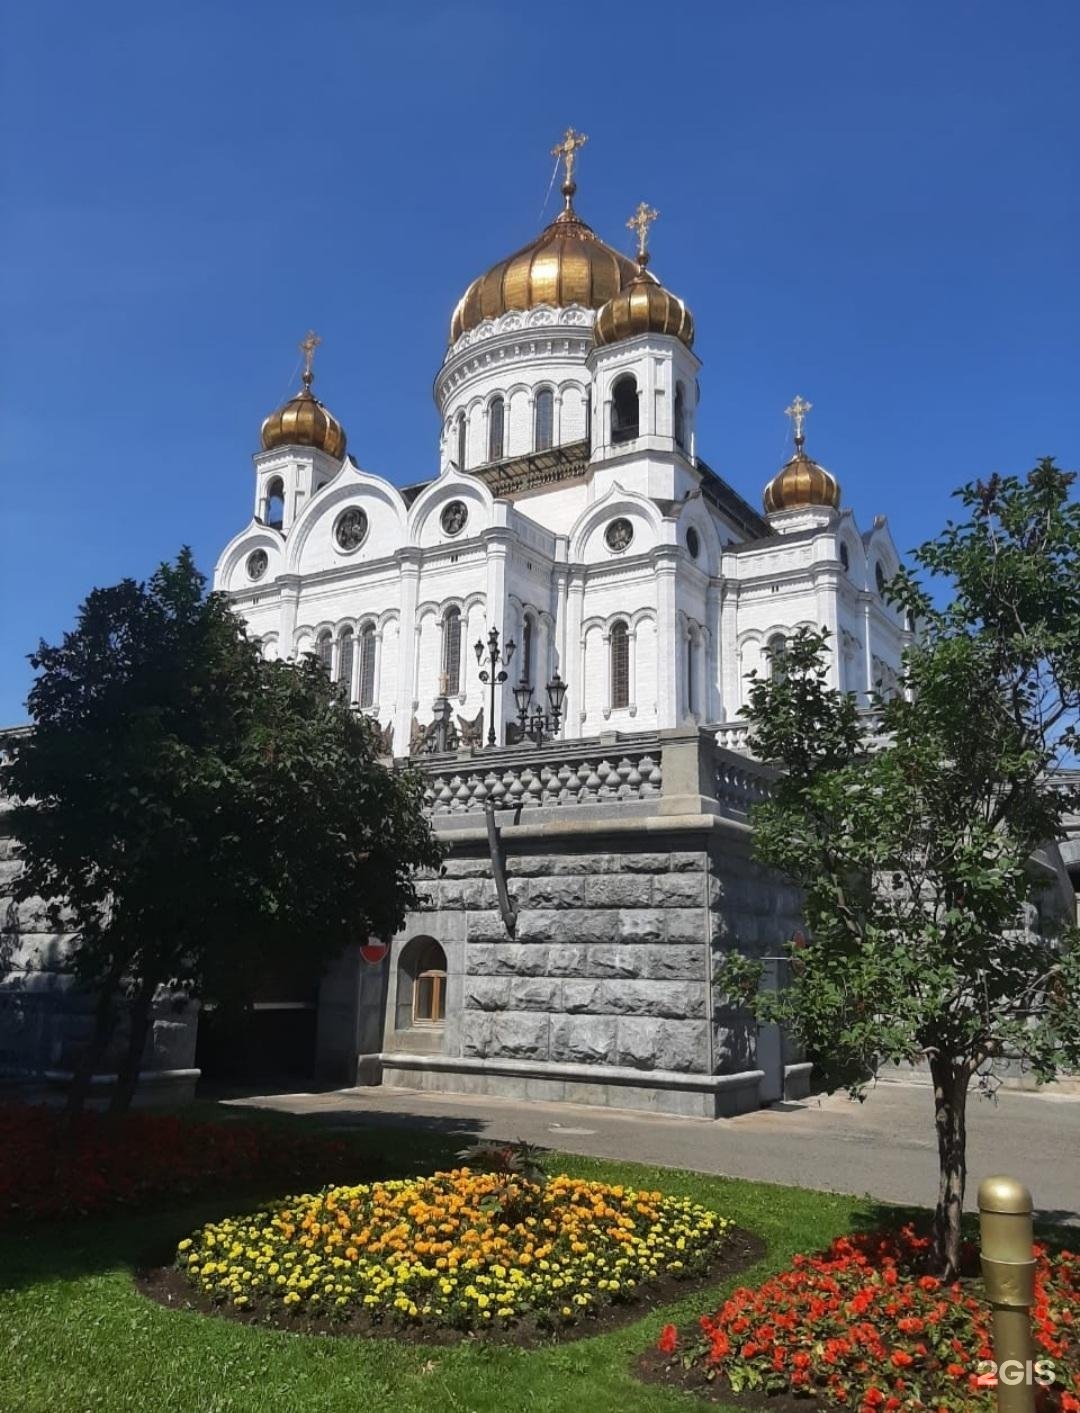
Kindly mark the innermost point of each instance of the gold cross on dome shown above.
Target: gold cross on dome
(640, 221)
(568, 150)
(797, 412)
(307, 348)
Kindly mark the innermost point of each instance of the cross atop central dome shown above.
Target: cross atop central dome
(567, 263)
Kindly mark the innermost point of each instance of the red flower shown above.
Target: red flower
(669, 1340)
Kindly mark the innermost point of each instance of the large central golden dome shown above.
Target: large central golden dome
(567, 263)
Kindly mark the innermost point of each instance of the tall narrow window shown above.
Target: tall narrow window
(544, 415)
(324, 648)
(462, 441)
(275, 503)
(367, 665)
(691, 673)
(777, 646)
(527, 650)
(620, 666)
(345, 647)
(429, 988)
(451, 650)
(496, 421)
(680, 417)
(588, 415)
(624, 410)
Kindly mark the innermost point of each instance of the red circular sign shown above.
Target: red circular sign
(373, 952)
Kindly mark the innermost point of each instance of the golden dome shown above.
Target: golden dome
(303, 420)
(567, 263)
(801, 482)
(644, 306)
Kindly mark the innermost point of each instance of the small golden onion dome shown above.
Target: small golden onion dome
(801, 482)
(304, 421)
(567, 263)
(644, 306)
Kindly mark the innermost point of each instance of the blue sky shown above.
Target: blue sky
(869, 202)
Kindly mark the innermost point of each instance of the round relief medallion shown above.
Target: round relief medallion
(619, 534)
(693, 543)
(350, 528)
(257, 562)
(454, 517)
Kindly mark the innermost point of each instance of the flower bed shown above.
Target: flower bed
(859, 1327)
(465, 1250)
(49, 1168)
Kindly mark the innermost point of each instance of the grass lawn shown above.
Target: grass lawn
(75, 1335)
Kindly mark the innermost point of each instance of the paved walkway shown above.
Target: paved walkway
(884, 1147)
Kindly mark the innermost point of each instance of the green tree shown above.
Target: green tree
(193, 812)
(917, 844)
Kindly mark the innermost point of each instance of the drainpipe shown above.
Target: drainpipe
(498, 869)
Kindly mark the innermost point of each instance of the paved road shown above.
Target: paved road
(883, 1147)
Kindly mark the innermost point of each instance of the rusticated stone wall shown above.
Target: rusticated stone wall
(45, 1018)
(604, 992)
(609, 964)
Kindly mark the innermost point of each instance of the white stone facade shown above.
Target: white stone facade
(699, 586)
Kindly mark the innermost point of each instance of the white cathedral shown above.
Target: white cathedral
(573, 512)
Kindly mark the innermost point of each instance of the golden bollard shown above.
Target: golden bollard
(1008, 1268)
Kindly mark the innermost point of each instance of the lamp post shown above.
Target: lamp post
(493, 675)
(441, 730)
(540, 725)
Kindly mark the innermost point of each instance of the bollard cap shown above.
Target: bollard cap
(1004, 1194)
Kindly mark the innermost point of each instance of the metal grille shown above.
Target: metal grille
(620, 666)
(367, 666)
(527, 651)
(545, 419)
(452, 650)
(496, 420)
(345, 658)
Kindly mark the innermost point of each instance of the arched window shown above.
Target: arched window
(451, 650)
(429, 987)
(879, 577)
(462, 440)
(345, 645)
(620, 665)
(325, 649)
(275, 503)
(421, 984)
(367, 665)
(624, 410)
(845, 556)
(527, 650)
(680, 417)
(777, 652)
(496, 421)
(544, 420)
(691, 672)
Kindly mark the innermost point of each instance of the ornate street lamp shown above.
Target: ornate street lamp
(441, 732)
(492, 674)
(540, 725)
